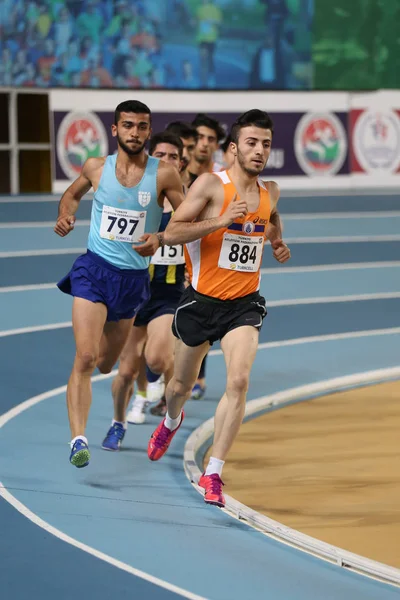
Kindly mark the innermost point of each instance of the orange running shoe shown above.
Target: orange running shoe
(212, 485)
(161, 439)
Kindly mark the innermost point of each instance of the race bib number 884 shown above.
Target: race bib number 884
(241, 253)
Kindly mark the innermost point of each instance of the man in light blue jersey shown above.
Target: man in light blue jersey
(151, 335)
(111, 282)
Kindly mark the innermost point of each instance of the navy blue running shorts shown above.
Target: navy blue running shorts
(123, 291)
(164, 299)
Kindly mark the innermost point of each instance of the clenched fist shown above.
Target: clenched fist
(64, 225)
(237, 209)
(280, 251)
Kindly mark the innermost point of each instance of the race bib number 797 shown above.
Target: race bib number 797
(122, 225)
(241, 253)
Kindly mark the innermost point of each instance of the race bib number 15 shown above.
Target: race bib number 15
(241, 253)
(122, 225)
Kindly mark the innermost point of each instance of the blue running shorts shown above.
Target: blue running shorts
(164, 299)
(123, 291)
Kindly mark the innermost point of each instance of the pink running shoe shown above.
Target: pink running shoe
(212, 485)
(161, 439)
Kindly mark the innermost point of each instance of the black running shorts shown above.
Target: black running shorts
(200, 318)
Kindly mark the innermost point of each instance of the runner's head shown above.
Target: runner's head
(210, 133)
(188, 135)
(132, 126)
(226, 148)
(167, 147)
(251, 140)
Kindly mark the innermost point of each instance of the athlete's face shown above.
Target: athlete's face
(207, 144)
(189, 145)
(132, 132)
(253, 149)
(169, 154)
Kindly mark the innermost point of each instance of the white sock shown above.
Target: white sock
(124, 424)
(214, 466)
(79, 437)
(172, 423)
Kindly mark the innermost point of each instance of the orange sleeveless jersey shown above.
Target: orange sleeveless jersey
(226, 264)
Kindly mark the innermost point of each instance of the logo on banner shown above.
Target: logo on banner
(81, 135)
(376, 141)
(320, 144)
(144, 198)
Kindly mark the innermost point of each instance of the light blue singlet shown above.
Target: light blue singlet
(118, 213)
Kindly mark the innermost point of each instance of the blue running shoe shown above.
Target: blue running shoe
(80, 454)
(197, 392)
(114, 437)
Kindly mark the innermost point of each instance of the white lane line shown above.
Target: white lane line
(24, 510)
(45, 252)
(273, 303)
(327, 299)
(6, 417)
(333, 267)
(342, 558)
(296, 240)
(60, 534)
(27, 288)
(340, 215)
(287, 217)
(34, 199)
(35, 328)
(343, 239)
(38, 224)
(331, 337)
(266, 271)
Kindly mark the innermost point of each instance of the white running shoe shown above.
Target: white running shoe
(137, 414)
(156, 390)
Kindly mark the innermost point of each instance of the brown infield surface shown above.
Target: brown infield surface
(328, 467)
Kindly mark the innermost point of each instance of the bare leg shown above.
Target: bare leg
(141, 380)
(186, 368)
(115, 335)
(88, 320)
(239, 347)
(128, 371)
(159, 351)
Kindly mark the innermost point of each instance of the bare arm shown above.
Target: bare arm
(274, 229)
(183, 226)
(72, 196)
(170, 185)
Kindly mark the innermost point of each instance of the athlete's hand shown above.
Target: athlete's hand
(64, 225)
(237, 209)
(150, 245)
(280, 251)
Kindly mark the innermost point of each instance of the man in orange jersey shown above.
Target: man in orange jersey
(224, 222)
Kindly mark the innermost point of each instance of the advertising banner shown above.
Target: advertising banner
(305, 144)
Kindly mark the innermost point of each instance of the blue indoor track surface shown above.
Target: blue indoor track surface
(125, 527)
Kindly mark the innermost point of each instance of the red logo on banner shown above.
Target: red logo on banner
(320, 144)
(80, 136)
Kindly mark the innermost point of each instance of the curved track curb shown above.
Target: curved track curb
(200, 439)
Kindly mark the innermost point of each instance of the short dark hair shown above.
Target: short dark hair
(203, 120)
(225, 144)
(182, 129)
(255, 117)
(131, 106)
(165, 137)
